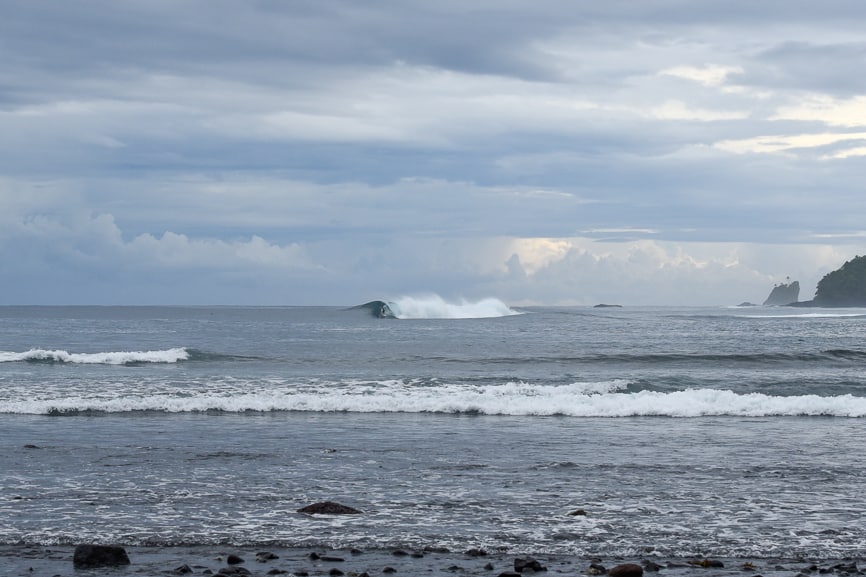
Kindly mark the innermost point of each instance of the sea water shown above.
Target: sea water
(735, 432)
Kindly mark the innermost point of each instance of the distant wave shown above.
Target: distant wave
(763, 358)
(108, 358)
(616, 398)
(834, 356)
(435, 307)
(822, 315)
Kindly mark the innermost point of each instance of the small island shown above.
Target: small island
(844, 287)
(783, 294)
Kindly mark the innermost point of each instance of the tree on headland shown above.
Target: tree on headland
(845, 286)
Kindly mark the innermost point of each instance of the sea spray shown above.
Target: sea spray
(435, 307)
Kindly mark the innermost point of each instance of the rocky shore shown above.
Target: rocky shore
(217, 561)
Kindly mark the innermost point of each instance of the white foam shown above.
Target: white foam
(580, 400)
(107, 358)
(435, 307)
(583, 399)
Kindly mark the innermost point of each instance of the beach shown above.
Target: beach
(25, 560)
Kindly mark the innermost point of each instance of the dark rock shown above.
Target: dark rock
(331, 559)
(578, 513)
(182, 570)
(416, 555)
(88, 556)
(489, 567)
(328, 508)
(626, 570)
(31, 446)
(389, 570)
(277, 572)
(335, 572)
(233, 559)
(314, 556)
(301, 574)
(399, 553)
(596, 569)
(528, 563)
(477, 553)
(607, 306)
(651, 566)
(509, 574)
(356, 552)
(231, 571)
(265, 556)
(783, 294)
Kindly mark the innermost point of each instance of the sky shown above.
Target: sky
(332, 152)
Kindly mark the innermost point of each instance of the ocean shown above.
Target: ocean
(600, 432)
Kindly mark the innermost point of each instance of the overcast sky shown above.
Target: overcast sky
(337, 151)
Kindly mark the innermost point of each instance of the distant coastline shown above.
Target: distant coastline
(843, 287)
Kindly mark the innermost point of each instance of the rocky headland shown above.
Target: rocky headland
(844, 287)
(783, 294)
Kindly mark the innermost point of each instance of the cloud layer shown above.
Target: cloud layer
(331, 152)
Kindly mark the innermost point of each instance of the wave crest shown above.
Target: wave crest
(107, 358)
(614, 398)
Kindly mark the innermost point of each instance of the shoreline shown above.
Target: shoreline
(56, 561)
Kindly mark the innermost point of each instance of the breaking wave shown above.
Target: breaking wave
(107, 358)
(615, 398)
(435, 307)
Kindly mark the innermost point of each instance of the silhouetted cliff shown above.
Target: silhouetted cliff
(844, 287)
(784, 294)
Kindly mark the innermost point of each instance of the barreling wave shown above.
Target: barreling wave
(615, 398)
(107, 358)
(435, 307)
